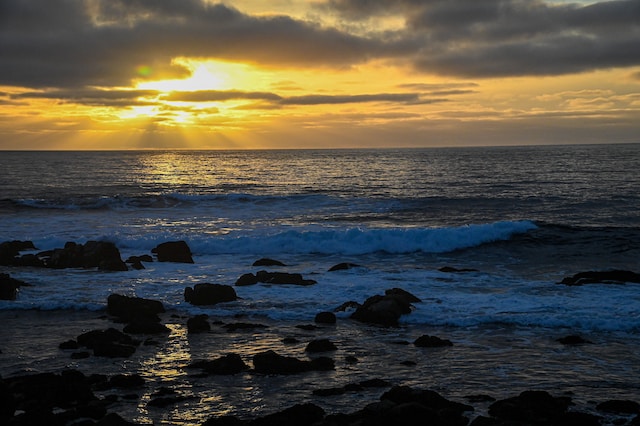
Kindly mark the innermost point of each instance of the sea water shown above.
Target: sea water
(519, 218)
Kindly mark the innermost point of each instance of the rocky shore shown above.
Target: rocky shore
(137, 363)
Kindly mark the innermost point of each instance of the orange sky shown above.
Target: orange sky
(192, 74)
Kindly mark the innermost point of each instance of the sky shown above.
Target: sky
(255, 74)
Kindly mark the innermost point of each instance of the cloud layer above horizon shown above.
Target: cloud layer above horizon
(96, 52)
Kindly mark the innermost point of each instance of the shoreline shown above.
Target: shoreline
(499, 362)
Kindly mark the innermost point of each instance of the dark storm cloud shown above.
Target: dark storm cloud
(102, 43)
(219, 95)
(64, 43)
(511, 37)
(313, 99)
(94, 97)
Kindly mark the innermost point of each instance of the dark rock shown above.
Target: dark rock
(603, 277)
(223, 421)
(9, 287)
(69, 344)
(37, 395)
(269, 362)
(402, 294)
(343, 266)
(273, 278)
(428, 398)
(320, 345)
(126, 381)
(530, 407)
(426, 341)
(93, 254)
(618, 406)
(145, 326)
(109, 343)
(246, 279)
(128, 309)
(573, 340)
(329, 391)
(350, 359)
(290, 340)
(455, 270)
(113, 419)
(142, 258)
(325, 318)
(225, 365)
(209, 294)
(10, 250)
(384, 310)
(306, 414)
(268, 262)
(173, 251)
(242, 326)
(198, 324)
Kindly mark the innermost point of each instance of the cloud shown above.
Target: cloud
(219, 95)
(61, 43)
(492, 38)
(94, 97)
(64, 44)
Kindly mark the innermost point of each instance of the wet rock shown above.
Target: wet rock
(125, 381)
(269, 362)
(343, 266)
(145, 326)
(385, 310)
(10, 250)
(573, 340)
(173, 251)
(9, 287)
(602, 277)
(225, 365)
(273, 278)
(69, 344)
(456, 270)
(198, 324)
(128, 309)
(223, 421)
(531, 407)
(618, 406)
(320, 345)
(325, 318)
(109, 343)
(103, 255)
(268, 262)
(426, 341)
(209, 294)
(402, 294)
(306, 414)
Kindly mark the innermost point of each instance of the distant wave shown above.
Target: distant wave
(352, 241)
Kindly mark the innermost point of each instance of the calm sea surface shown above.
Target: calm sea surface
(522, 217)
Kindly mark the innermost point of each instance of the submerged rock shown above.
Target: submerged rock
(269, 362)
(426, 341)
(273, 278)
(343, 266)
(602, 277)
(325, 318)
(267, 262)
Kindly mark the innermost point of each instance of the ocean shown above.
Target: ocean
(519, 218)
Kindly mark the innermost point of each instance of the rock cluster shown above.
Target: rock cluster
(603, 277)
(385, 310)
(273, 278)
